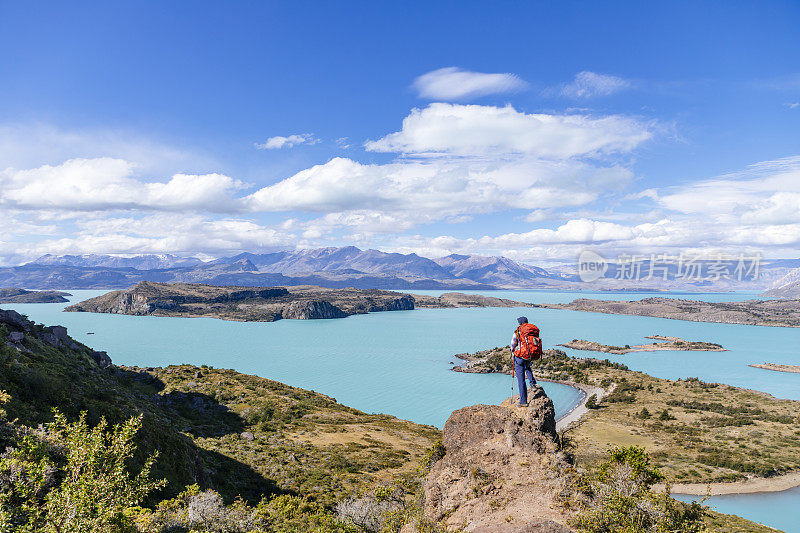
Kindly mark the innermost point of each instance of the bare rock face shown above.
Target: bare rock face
(12, 318)
(501, 471)
(312, 309)
(55, 336)
(101, 358)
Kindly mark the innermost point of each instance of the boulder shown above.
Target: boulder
(530, 428)
(501, 471)
(246, 435)
(101, 358)
(15, 320)
(16, 336)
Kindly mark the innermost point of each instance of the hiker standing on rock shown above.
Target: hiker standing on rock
(526, 347)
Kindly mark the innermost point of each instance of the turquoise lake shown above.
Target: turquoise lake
(398, 362)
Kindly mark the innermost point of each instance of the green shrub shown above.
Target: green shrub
(70, 477)
(591, 403)
(618, 498)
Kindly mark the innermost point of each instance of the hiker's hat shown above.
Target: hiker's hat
(522, 320)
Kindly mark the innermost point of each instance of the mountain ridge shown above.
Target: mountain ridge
(349, 266)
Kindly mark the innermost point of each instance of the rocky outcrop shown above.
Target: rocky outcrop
(18, 328)
(310, 309)
(22, 296)
(460, 299)
(501, 471)
(15, 320)
(267, 304)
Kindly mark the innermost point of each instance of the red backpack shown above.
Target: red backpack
(529, 345)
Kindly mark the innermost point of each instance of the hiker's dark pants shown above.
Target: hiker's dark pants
(522, 367)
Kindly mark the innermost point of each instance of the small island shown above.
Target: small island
(795, 369)
(780, 313)
(14, 295)
(267, 304)
(667, 344)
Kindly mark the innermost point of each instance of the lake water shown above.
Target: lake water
(398, 362)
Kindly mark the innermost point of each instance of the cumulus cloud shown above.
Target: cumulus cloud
(460, 160)
(440, 188)
(475, 130)
(106, 183)
(591, 84)
(453, 83)
(278, 142)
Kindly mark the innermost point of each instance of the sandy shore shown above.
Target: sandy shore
(579, 410)
(758, 484)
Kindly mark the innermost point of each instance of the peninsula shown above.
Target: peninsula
(267, 304)
(777, 367)
(696, 432)
(21, 296)
(667, 344)
(781, 313)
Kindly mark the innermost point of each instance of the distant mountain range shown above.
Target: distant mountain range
(139, 262)
(347, 267)
(328, 267)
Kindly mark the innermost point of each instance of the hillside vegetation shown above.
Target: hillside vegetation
(95, 447)
(242, 436)
(696, 432)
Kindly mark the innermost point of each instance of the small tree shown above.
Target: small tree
(591, 403)
(73, 478)
(665, 415)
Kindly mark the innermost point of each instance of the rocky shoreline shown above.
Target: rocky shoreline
(779, 313)
(13, 295)
(668, 344)
(268, 304)
(795, 369)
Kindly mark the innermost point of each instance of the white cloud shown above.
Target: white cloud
(591, 84)
(538, 215)
(474, 130)
(160, 233)
(452, 83)
(278, 142)
(792, 105)
(440, 188)
(107, 183)
(488, 159)
(764, 192)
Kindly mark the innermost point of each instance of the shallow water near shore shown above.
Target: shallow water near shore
(398, 362)
(775, 509)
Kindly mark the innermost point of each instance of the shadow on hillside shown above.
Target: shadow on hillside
(195, 413)
(181, 460)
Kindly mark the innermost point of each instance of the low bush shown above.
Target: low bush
(617, 498)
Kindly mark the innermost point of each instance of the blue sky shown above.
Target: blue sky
(530, 130)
